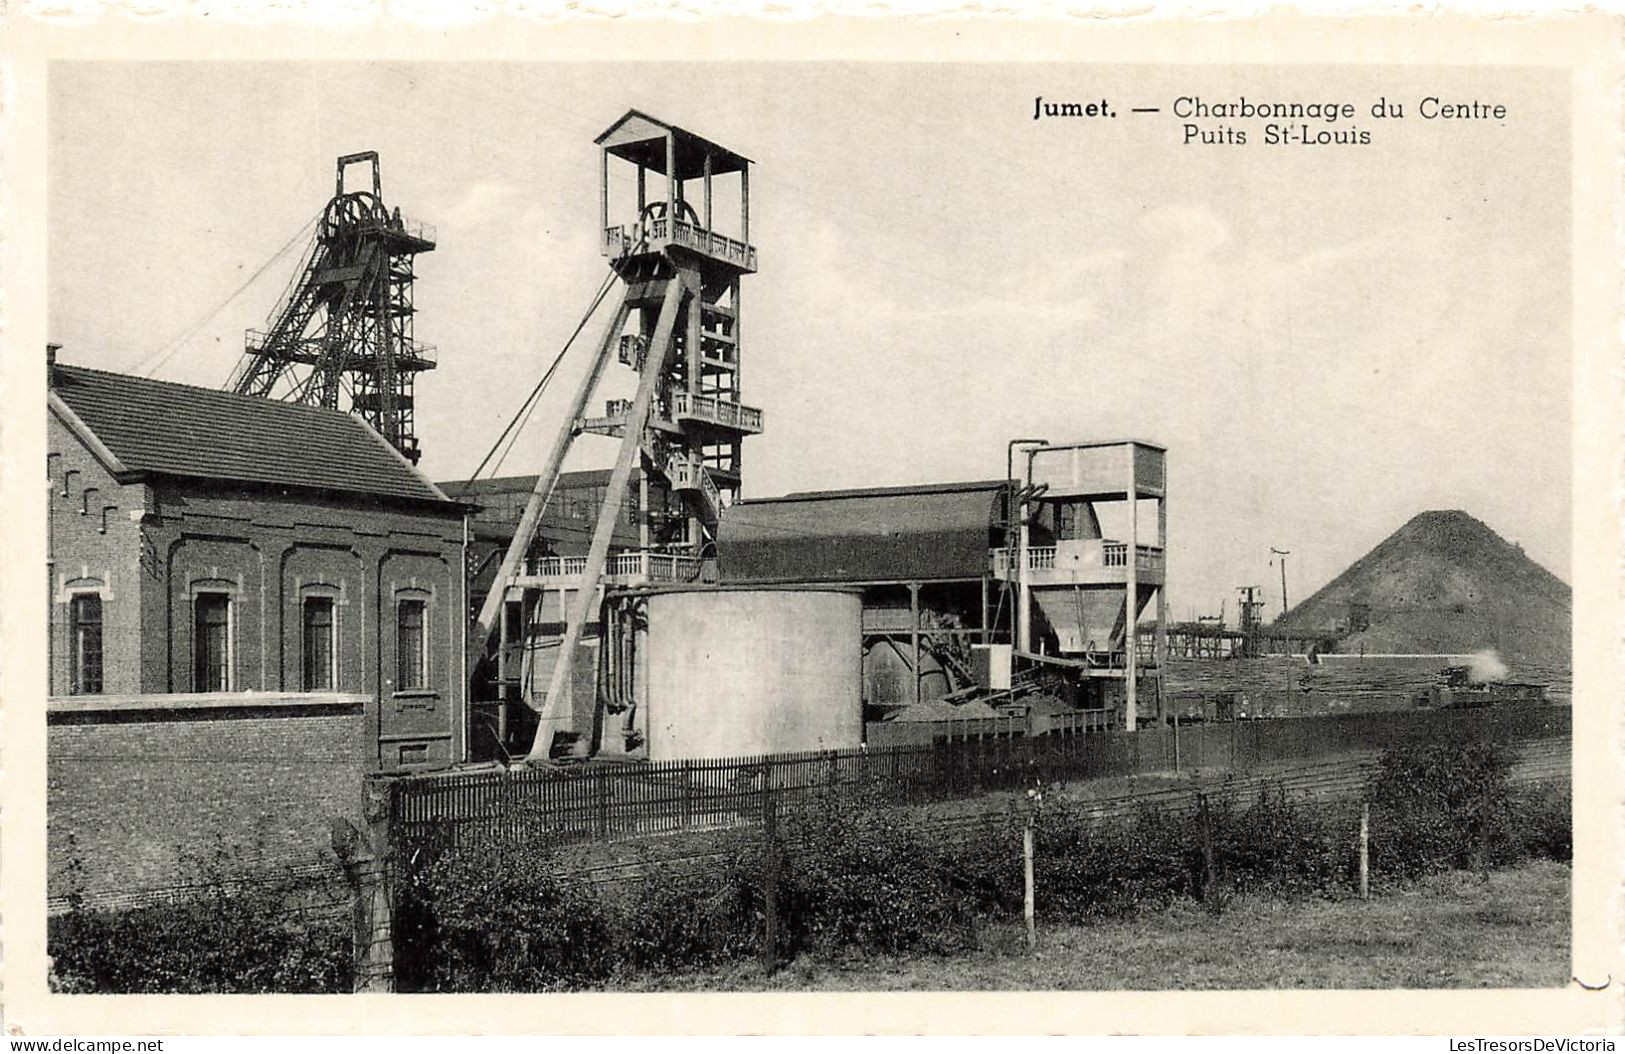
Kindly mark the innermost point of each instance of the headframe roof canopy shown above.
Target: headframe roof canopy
(641, 139)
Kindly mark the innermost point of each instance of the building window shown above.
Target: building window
(85, 626)
(319, 674)
(211, 642)
(411, 645)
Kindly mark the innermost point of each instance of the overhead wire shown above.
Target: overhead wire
(583, 121)
(516, 424)
(169, 350)
(807, 191)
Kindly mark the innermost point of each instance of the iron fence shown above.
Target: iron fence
(595, 803)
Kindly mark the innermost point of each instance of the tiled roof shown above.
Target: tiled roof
(180, 430)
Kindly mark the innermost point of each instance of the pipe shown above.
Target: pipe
(623, 657)
(1010, 464)
(1024, 599)
(629, 669)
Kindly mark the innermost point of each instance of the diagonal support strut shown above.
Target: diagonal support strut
(631, 445)
(525, 533)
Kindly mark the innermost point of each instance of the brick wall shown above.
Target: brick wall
(138, 785)
(96, 546)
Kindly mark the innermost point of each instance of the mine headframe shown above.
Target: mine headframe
(341, 336)
(677, 326)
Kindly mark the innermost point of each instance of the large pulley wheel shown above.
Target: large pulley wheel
(349, 211)
(656, 210)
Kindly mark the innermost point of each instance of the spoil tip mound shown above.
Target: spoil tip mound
(1443, 583)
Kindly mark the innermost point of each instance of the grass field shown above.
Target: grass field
(1454, 931)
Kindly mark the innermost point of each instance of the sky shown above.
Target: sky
(1328, 339)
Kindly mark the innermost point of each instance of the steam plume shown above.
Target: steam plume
(1486, 667)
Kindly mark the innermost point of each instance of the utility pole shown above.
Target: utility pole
(1283, 554)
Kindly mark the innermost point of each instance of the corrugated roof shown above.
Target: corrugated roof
(180, 430)
(937, 531)
(888, 492)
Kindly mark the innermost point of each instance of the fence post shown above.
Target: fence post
(770, 891)
(1176, 742)
(601, 809)
(1365, 851)
(370, 870)
(688, 795)
(1209, 867)
(1027, 873)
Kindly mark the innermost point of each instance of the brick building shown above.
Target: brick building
(211, 550)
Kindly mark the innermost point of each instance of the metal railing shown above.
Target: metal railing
(625, 568)
(1147, 557)
(555, 567)
(657, 232)
(719, 411)
(1039, 558)
(713, 244)
(1043, 557)
(403, 225)
(655, 567)
(307, 348)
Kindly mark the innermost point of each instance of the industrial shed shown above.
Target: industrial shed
(933, 533)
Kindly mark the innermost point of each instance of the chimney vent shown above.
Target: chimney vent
(50, 364)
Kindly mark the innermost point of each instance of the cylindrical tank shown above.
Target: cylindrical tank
(741, 671)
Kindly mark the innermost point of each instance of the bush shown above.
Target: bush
(671, 919)
(249, 941)
(498, 918)
(1544, 814)
(858, 874)
(1283, 848)
(1440, 805)
(1089, 868)
(503, 917)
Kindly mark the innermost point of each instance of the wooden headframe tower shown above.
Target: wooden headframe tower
(679, 258)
